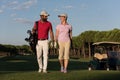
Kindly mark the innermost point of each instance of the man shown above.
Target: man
(43, 28)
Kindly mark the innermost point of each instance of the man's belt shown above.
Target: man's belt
(42, 39)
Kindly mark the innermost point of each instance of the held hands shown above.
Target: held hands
(54, 44)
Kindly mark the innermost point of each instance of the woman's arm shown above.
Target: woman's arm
(56, 35)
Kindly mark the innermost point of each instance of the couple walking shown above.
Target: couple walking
(63, 36)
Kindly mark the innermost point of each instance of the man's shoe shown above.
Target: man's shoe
(44, 71)
(40, 70)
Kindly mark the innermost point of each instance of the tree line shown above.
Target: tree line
(81, 44)
(14, 50)
(84, 41)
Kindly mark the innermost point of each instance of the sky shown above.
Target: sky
(18, 16)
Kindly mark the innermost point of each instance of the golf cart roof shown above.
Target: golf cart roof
(106, 43)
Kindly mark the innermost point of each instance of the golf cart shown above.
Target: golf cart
(106, 56)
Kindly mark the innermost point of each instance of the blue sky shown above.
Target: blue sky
(17, 16)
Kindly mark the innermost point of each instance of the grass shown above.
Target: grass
(25, 68)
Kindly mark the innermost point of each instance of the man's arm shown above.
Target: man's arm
(34, 29)
(51, 35)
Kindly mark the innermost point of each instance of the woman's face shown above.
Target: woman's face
(62, 18)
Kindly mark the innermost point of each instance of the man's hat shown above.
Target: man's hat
(44, 13)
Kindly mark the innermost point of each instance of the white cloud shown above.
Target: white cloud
(3, 6)
(57, 10)
(83, 6)
(17, 5)
(23, 20)
(13, 15)
(12, 3)
(9, 4)
(1, 11)
(63, 7)
(68, 7)
(25, 5)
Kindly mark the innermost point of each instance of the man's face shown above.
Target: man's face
(44, 18)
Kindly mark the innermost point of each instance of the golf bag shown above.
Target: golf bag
(32, 39)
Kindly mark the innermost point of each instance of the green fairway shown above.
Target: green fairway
(25, 68)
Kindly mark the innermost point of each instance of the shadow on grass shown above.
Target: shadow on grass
(73, 65)
(18, 63)
(29, 63)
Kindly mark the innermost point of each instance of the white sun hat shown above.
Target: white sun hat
(63, 14)
(44, 13)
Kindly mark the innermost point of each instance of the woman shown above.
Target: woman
(63, 36)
